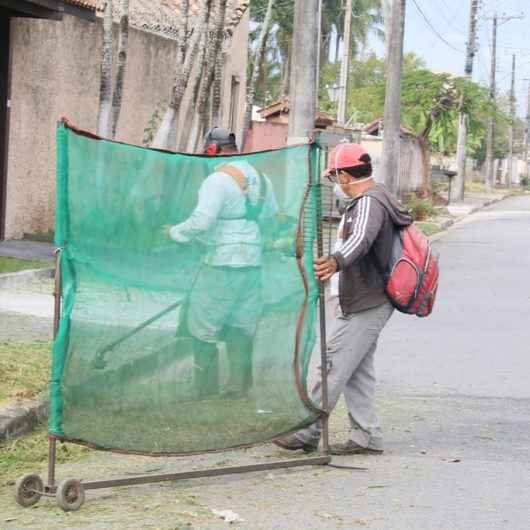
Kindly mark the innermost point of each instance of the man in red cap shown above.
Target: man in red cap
(362, 254)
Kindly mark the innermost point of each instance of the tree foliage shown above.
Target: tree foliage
(431, 102)
(273, 81)
(366, 85)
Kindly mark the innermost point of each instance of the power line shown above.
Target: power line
(428, 22)
(448, 17)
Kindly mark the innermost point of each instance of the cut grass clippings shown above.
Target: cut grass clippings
(29, 454)
(15, 265)
(24, 372)
(24, 368)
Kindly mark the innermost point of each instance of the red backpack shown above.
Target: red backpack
(412, 275)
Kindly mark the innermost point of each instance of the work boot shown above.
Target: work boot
(292, 443)
(206, 369)
(352, 448)
(239, 347)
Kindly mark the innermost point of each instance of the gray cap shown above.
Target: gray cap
(219, 136)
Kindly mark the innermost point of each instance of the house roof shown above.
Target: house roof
(278, 107)
(92, 5)
(282, 107)
(163, 16)
(373, 128)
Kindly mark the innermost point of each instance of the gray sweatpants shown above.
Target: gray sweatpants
(351, 346)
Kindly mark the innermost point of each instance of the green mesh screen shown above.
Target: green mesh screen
(195, 342)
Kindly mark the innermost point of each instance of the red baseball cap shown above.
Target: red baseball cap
(346, 155)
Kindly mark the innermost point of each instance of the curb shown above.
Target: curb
(21, 416)
(12, 279)
(452, 222)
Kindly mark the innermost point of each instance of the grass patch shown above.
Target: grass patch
(480, 187)
(428, 229)
(24, 372)
(24, 368)
(29, 454)
(15, 265)
(45, 237)
(438, 186)
(475, 187)
(420, 209)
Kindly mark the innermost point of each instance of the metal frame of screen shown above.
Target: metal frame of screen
(69, 493)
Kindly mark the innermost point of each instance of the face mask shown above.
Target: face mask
(340, 194)
(362, 180)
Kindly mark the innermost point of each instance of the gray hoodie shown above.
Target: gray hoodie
(370, 222)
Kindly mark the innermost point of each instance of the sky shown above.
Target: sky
(450, 19)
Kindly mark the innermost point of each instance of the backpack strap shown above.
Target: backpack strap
(253, 212)
(237, 175)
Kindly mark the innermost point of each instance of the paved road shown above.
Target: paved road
(26, 311)
(476, 343)
(454, 399)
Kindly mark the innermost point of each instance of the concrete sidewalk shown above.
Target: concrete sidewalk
(27, 249)
(474, 201)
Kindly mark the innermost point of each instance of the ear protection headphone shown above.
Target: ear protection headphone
(212, 149)
(216, 138)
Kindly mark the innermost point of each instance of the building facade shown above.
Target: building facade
(50, 60)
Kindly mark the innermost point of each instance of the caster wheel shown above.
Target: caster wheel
(28, 490)
(70, 495)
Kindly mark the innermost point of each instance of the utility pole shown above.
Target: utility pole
(304, 71)
(387, 18)
(319, 52)
(392, 115)
(512, 124)
(345, 64)
(302, 115)
(460, 179)
(527, 133)
(491, 123)
(490, 182)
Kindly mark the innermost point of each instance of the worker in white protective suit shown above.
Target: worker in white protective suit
(225, 302)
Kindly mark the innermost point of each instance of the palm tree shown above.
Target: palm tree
(366, 17)
(217, 85)
(105, 88)
(110, 100)
(205, 76)
(184, 142)
(123, 47)
(182, 77)
(209, 70)
(257, 65)
(183, 30)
